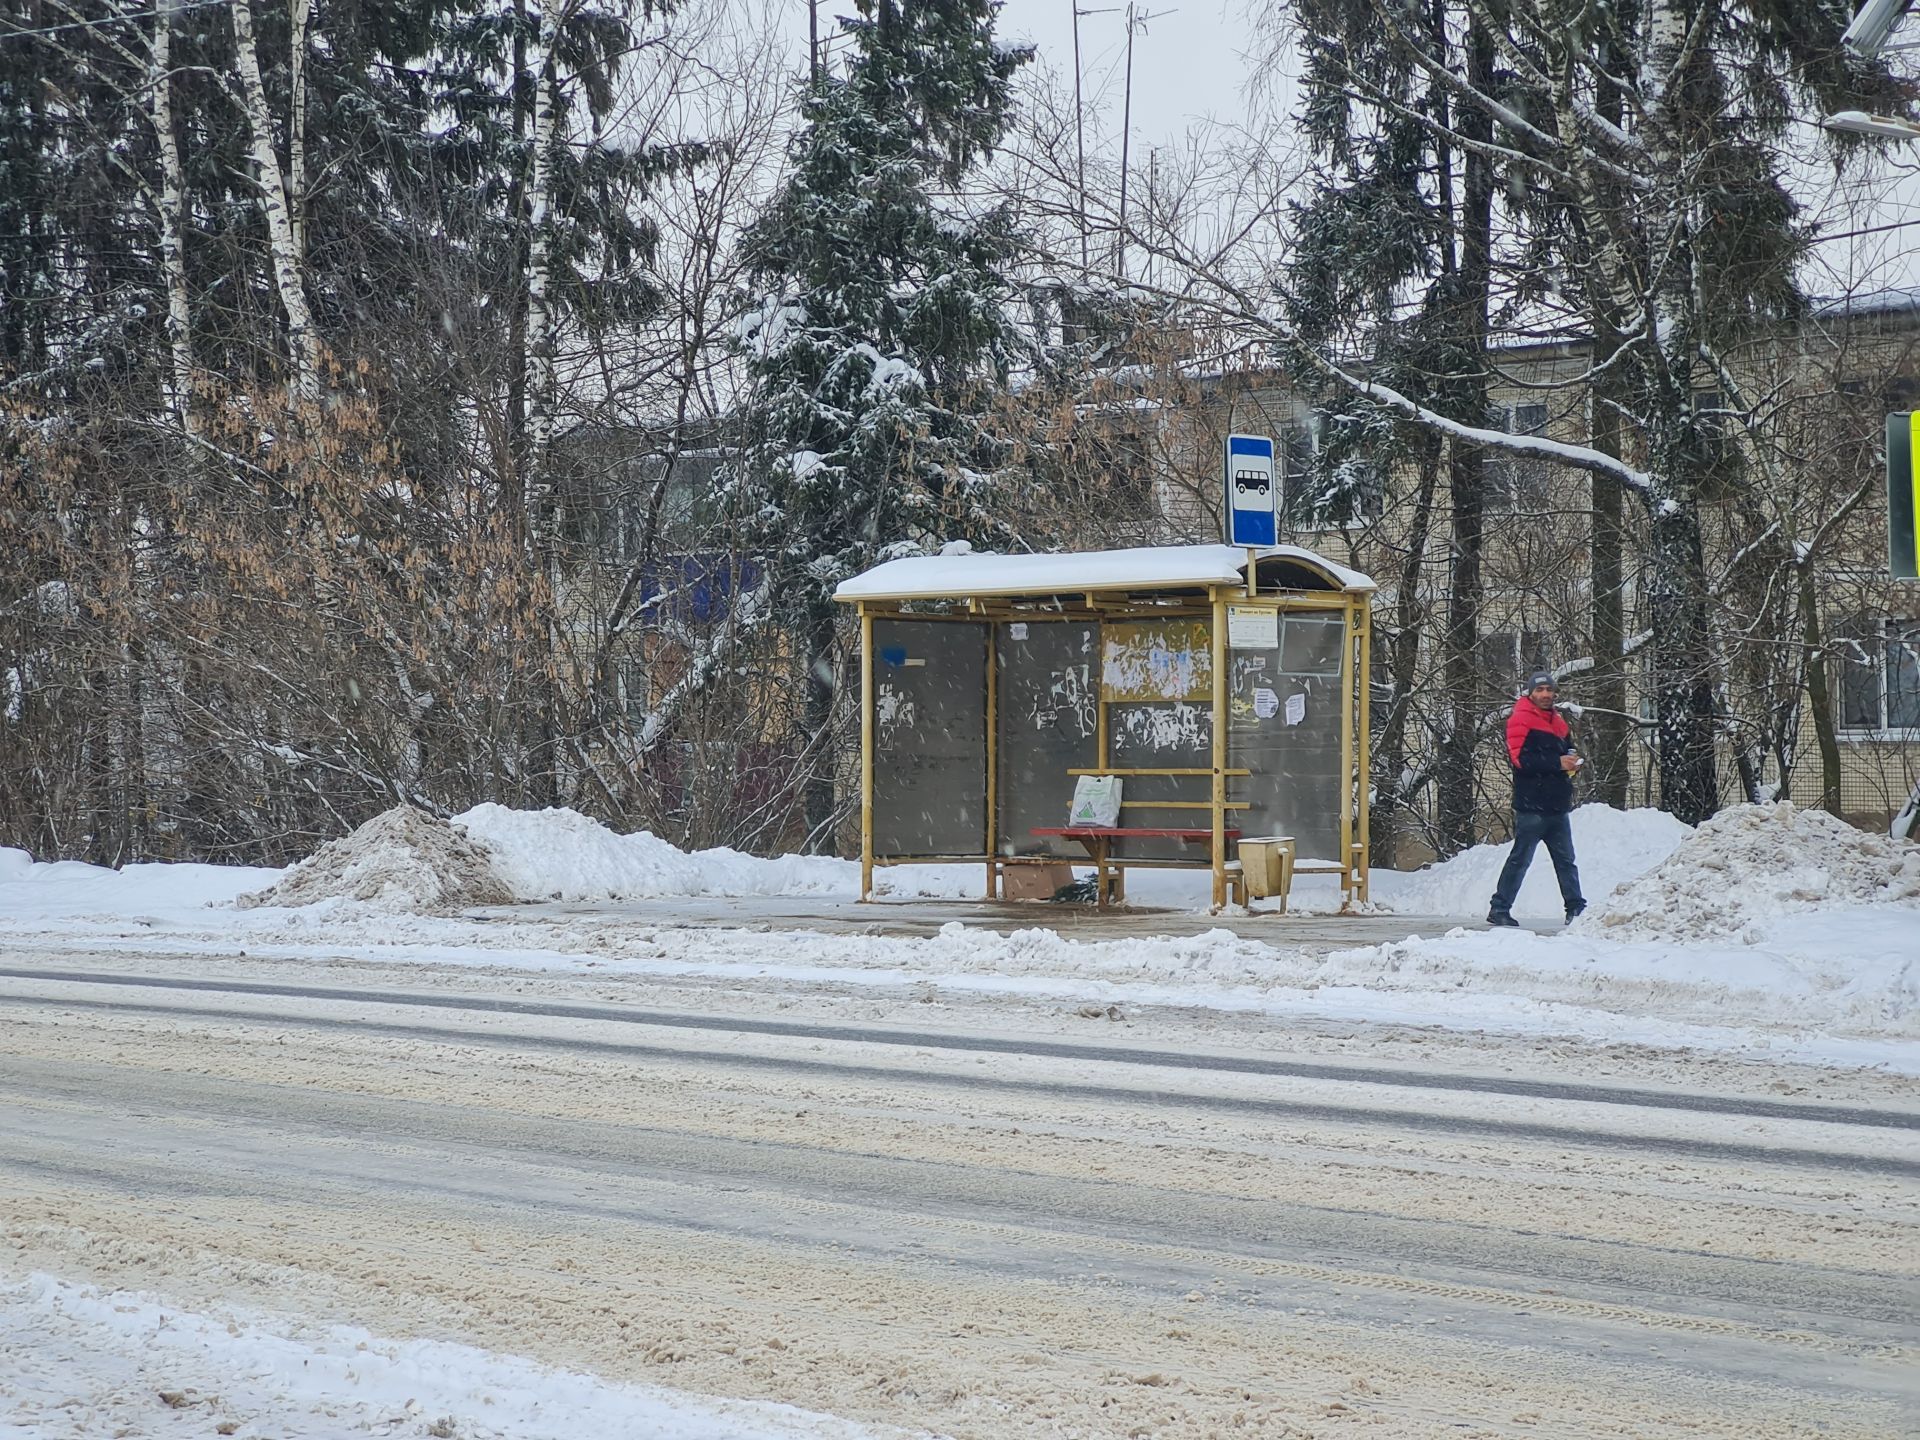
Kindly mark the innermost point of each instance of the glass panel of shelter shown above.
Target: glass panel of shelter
(1048, 697)
(1157, 683)
(929, 737)
(1284, 726)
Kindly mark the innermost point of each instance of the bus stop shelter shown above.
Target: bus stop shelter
(1225, 687)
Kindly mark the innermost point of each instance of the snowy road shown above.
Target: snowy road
(996, 1222)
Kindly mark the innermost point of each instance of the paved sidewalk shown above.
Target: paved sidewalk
(925, 917)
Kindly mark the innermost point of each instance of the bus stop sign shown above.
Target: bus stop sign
(1253, 491)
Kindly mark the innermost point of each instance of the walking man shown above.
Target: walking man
(1541, 749)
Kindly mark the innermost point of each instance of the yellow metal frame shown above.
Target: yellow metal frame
(866, 753)
(1220, 745)
(1355, 609)
(993, 761)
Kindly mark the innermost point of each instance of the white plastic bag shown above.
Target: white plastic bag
(1096, 801)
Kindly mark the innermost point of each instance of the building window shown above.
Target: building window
(1880, 679)
(1514, 481)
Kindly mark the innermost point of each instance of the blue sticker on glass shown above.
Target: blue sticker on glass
(895, 655)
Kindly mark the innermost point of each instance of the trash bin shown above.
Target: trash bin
(1267, 861)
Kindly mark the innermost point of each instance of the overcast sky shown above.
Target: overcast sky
(1189, 60)
(1191, 64)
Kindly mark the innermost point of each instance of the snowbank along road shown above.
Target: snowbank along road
(975, 1220)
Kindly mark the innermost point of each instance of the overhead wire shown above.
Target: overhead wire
(101, 24)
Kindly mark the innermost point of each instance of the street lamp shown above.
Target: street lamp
(1884, 127)
(1867, 37)
(1868, 33)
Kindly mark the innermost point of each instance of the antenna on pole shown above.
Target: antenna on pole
(1126, 139)
(1135, 21)
(1080, 124)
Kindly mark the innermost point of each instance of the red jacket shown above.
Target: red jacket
(1536, 739)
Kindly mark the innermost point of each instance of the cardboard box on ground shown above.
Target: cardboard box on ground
(1034, 882)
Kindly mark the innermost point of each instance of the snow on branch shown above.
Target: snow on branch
(705, 668)
(1580, 457)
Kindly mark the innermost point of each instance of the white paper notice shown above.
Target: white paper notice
(1265, 703)
(1296, 708)
(1251, 627)
(1017, 630)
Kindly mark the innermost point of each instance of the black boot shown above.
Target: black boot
(1576, 910)
(1502, 919)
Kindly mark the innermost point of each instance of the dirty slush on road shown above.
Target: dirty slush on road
(936, 1240)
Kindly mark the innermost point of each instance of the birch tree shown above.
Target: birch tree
(303, 340)
(172, 211)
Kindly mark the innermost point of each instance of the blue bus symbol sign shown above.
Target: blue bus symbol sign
(1252, 496)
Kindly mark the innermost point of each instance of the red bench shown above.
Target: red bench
(1098, 840)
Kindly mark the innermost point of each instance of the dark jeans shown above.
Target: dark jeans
(1530, 830)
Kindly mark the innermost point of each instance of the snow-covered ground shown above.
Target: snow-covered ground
(1774, 936)
(563, 855)
(1811, 979)
(76, 1364)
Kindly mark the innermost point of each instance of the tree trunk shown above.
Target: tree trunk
(1819, 694)
(512, 500)
(1403, 660)
(1606, 738)
(1607, 732)
(1677, 591)
(300, 12)
(1677, 586)
(1466, 471)
(303, 342)
(540, 336)
(173, 257)
(537, 485)
(821, 799)
(1454, 775)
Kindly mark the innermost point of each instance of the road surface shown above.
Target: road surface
(979, 1223)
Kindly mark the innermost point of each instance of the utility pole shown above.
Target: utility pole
(1126, 139)
(1079, 132)
(1153, 197)
(1135, 21)
(813, 42)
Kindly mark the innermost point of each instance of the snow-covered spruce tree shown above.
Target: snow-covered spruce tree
(882, 330)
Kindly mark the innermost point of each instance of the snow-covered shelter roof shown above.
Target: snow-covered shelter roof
(1156, 567)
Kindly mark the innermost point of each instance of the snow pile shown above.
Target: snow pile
(1611, 846)
(1752, 864)
(563, 855)
(403, 860)
(77, 1361)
